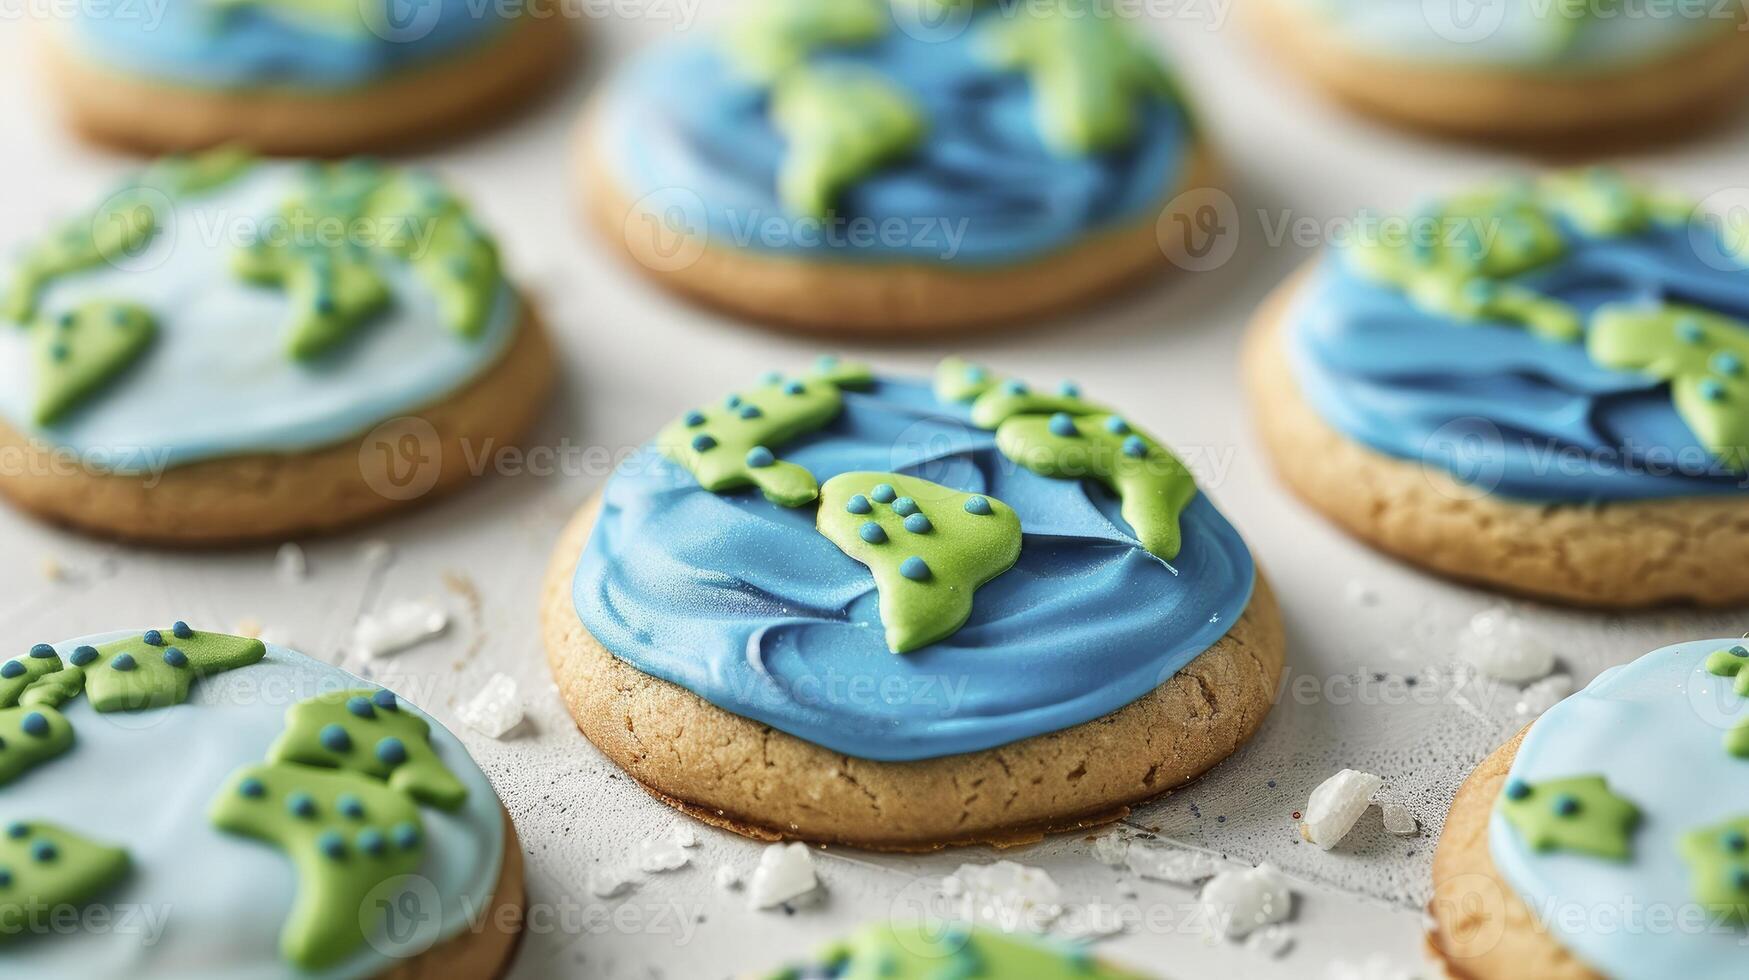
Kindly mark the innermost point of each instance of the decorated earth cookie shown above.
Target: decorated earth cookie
(210, 354)
(1540, 385)
(835, 606)
(1564, 70)
(896, 165)
(936, 951)
(183, 804)
(1580, 850)
(293, 77)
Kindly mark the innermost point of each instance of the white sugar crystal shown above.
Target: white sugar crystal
(1181, 866)
(404, 624)
(785, 872)
(495, 710)
(1272, 941)
(290, 563)
(658, 854)
(377, 553)
(1336, 805)
(1237, 903)
(728, 878)
(1543, 695)
(1005, 895)
(1109, 849)
(683, 835)
(1497, 643)
(1398, 819)
(609, 882)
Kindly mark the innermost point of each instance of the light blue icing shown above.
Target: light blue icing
(1495, 404)
(1654, 729)
(144, 780)
(982, 188)
(241, 393)
(188, 41)
(744, 603)
(1515, 34)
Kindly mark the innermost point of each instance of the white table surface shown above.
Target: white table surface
(632, 356)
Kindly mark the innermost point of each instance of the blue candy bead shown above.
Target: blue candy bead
(82, 656)
(760, 457)
(1062, 425)
(391, 752)
(175, 657)
(883, 493)
(873, 533)
(335, 739)
(123, 662)
(915, 569)
(979, 506)
(918, 524)
(859, 505)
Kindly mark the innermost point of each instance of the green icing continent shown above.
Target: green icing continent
(19, 674)
(55, 689)
(959, 549)
(1153, 485)
(960, 380)
(1090, 75)
(1731, 662)
(29, 736)
(81, 350)
(44, 869)
(120, 227)
(345, 833)
(842, 124)
(732, 447)
(132, 674)
(1718, 865)
(181, 173)
(1704, 356)
(1004, 401)
(344, 17)
(332, 291)
(770, 37)
(357, 732)
(950, 951)
(1574, 814)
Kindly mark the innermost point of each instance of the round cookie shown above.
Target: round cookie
(864, 166)
(196, 805)
(1528, 413)
(297, 77)
(936, 948)
(912, 635)
(224, 350)
(1521, 72)
(1578, 850)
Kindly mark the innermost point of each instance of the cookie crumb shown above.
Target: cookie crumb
(728, 878)
(1272, 941)
(1109, 849)
(658, 854)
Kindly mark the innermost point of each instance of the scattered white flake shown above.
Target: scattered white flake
(1336, 805)
(1237, 903)
(1398, 819)
(1497, 643)
(398, 627)
(377, 553)
(1178, 865)
(1272, 941)
(291, 564)
(785, 873)
(728, 878)
(1543, 695)
(1109, 849)
(1375, 967)
(609, 882)
(657, 854)
(683, 834)
(495, 710)
(1095, 920)
(1005, 895)
(1361, 594)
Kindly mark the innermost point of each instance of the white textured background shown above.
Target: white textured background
(633, 357)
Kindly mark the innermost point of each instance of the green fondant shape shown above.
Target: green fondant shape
(842, 374)
(960, 380)
(766, 417)
(771, 37)
(429, 228)
(120, 227)
(962, 550)
(1152, 484)
(1708, 374)
(27, 673)
(329, 914)
(423, 776)
(1009, 399)
(186, 174)
(332, 291)
(78, 870)
(842, 123)
(1090, 75)
(80, 351)
(1731, 662)
(1601, 826)
(950, 951)
(20, 751)
(1718, 866)
(155, 683)
(56, 688)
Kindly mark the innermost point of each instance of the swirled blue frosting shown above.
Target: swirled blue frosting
(683, 124)
(745, 604)
(263, 44)
(1498, 407)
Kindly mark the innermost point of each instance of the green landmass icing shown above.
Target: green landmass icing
(376, 739)
(1718, 866)
(842, 124)
(1703, 355)
(1578, 813)
(135, 673)
(345, 17)
(80, 351)
(950, 951)
(31, 735)
(772, 37)
(45, 869)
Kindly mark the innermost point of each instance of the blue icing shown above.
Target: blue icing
(220, 898)
(744, 603)
(1495, 404)
(981, 188)
(189, 41)
(225, 339)
(1654, 730)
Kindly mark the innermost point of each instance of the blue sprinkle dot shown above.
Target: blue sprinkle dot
(794, 388)
(5, 878)
(751, 412)
(42, 651)
(915, 569)
(1062, 425)
(350, 806)
(1727, 363)
(67, 320)
(694, 419)
(406, 836)
(44, 851)
(703, 443)
(1566, 805)
(18, 830)
(1690, 330)
(1014, 387)
(883, 493)
(335, 739)
(123, 662)
(385, 699)
(35, 725)
(1735, 841)
(175, 657)
(978, 506)
(1740, 651)
(11, 669)
(1117, 426)
(361, 706)
(1740, 879)
(918, 524)
(82, 656)
(1134, 446)
(390, 751)
(825, 362)
(332, 844)
(153, 638)
(252, 788)
(872, 533)
(1069, 389)
(60, 352)
(301, 805)
(977, 375)
(180, 630)
(904, 506)
(859, 505)
(1517, 789)
(1711, 390)
(371, 841)
(733, 401)
(760, 457)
